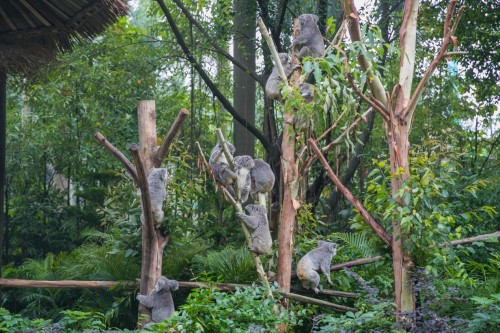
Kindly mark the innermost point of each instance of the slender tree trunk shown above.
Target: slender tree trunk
(244, 85)
(3, 147)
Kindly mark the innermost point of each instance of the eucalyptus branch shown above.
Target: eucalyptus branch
(367, 217)
(169, 138)
(449, 54)
(379, 107)
(119, 155)
(408, 112)
(272, 48)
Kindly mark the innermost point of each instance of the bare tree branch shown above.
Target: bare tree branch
(210, 84)
(119, 155)
(169, 138)
(216, 46)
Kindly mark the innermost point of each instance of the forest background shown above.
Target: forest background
(73, 213)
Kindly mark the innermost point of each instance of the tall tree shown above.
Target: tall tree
(243, 84)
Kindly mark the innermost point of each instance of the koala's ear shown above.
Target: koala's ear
(315, 18)
(321, 243)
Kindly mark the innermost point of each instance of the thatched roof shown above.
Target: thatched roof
(32, 31)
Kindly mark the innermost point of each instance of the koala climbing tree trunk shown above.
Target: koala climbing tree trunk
(146, 156)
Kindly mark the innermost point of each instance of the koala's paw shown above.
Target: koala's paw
(316, 290)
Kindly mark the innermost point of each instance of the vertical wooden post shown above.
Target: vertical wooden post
(153, 242)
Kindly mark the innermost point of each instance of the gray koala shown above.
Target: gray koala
(217, 154)
(314, 261)
(220, 166)
(262, 178)
(310, 39)
(160, 300)
(157, 179)
(259, 228)
(307, 92)
(244, 164)
(272, 85)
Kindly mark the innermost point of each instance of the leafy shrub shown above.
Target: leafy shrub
(210, 310)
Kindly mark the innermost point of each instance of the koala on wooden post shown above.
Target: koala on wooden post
(160, 300)
(258, 226)
(272, 85)
(315, 261)
(157, 179)
(220, 166)
(310, 39)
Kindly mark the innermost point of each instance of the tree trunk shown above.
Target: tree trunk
(244, 85)
(153, 242)
(3, 147)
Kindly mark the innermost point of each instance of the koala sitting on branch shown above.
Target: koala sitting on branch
(310, 40)
(272, 85)
(243, 165)
(262, 180)
(220, 166)
(315, 261)
(258, 226)
(160, 300)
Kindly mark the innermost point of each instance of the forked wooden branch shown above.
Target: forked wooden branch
(407, 113)
(367, 217)
(118, 154)
(237, 206)
(169, 138)
(274, 53)
(143, 186)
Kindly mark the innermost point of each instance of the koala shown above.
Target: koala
(259, 228)
(244, 164)
(307, 92)
(160, 300)
(310, 39)
(262, 178)
(314, 261)
(220, 166)
(157, 179)
(272, 84)
(217, 154)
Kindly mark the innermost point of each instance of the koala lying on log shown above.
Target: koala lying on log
(315, 261)
(258, 226)
(160, 300)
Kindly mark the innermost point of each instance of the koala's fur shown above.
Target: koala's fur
(262, 178)
(310, 39)
(315, 261)
(160, 300)
(157, 179)
(220, 166)
(244, 164)
(258, 226)
(274, 80)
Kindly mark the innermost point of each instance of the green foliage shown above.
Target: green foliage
(209, 310)
(228, 265)
(487, 318)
